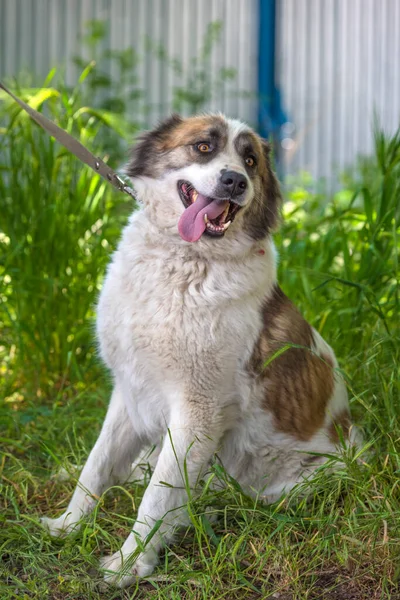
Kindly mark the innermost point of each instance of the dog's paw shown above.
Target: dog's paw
(61, 526)
(120, 571)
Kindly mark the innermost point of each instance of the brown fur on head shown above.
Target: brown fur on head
(185, 157)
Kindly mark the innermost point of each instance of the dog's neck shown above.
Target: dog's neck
(229, 270)
(236, 248)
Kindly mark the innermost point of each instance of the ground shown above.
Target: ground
(341, 543)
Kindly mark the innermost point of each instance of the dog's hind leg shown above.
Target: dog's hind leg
(109, 462)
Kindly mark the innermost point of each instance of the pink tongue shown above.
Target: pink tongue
(191, 225)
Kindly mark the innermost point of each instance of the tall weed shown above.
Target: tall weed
(58, 221)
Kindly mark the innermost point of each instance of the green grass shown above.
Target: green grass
(339, 263)
(58, 221)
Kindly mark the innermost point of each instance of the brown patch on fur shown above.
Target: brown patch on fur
(328, 359)
(153, 152)
(298, 384)
(145, 158)
(192, 130)
(340, 421)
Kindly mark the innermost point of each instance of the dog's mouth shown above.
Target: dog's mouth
(202, 214)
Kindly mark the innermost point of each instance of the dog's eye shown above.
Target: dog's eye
(204, 147)
(250, 161)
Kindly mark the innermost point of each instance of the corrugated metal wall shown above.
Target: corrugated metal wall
(37, 34)
(337, 61)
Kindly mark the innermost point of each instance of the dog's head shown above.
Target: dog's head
(206, 178)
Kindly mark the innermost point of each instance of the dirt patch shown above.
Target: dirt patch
(341, 585)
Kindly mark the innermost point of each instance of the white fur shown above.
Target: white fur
(177, 323)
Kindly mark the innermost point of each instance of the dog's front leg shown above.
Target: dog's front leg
(109, 462)
(193, 434)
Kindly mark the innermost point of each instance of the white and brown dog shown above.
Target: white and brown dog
(207, 353)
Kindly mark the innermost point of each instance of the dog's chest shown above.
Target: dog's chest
(174, 315)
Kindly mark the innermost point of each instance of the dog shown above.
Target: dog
(207, 354)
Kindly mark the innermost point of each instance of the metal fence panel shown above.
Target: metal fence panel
(36, 35)
(337, 62)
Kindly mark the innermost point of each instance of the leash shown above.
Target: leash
(75, 147)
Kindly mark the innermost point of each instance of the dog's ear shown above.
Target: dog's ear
(272, 191)
(148, 146)
(263, 215)
(266, 146)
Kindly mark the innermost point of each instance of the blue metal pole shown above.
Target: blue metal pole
(266, 67)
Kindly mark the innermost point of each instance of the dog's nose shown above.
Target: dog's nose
(234, 183)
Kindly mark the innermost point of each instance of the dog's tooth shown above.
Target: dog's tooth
(194, 196)
(226, 225)
(206, 219)
(224, 214)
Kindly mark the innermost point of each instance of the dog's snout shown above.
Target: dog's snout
(234, 183)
